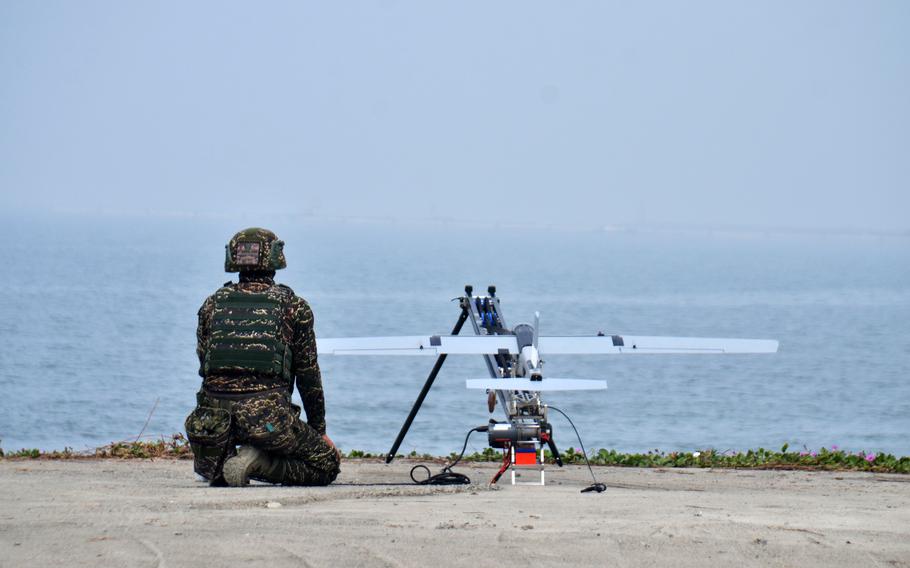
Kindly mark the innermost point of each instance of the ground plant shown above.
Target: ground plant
(825, 459)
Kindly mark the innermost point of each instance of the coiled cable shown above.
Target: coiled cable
(447, 476)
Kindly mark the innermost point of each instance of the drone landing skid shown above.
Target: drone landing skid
(528, 458)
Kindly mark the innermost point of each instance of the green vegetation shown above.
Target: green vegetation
(825, 459)
(833, 459)
(174, 447)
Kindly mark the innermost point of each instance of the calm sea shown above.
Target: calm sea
(99, 315)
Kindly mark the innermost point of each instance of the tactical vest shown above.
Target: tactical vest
(246, 335)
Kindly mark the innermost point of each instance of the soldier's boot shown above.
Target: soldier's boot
(249, 463)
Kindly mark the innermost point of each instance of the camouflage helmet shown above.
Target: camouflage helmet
(254, 249)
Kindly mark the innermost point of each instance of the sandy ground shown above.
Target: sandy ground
(155, 513)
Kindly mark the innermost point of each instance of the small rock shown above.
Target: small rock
(273, 505)
(527, 527)
(446, 525)
(760, 541)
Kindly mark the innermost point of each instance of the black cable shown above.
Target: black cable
(596, 486)
(447, 476)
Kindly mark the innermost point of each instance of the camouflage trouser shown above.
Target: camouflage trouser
(269, 422)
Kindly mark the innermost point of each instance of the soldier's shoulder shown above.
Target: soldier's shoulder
(289, 298)
(224, 289)
(285, 289)
(300, 307)
(209, 302)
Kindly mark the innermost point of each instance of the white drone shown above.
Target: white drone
(513, 358)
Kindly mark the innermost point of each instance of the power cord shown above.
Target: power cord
(447, 476)
(596, 486)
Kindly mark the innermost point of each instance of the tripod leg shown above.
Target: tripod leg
(423, 392)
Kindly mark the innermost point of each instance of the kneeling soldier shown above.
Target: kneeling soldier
(255, 338)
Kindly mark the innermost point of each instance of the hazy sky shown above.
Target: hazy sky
(769, 114)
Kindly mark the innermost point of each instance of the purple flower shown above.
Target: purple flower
(813, 453)
(834, 447)
(803, 454)
(870, 458)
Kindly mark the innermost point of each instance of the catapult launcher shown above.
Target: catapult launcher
(513, 359)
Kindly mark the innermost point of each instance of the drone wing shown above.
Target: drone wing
(418, 345)
(546, 384)
(553, 345)
(643, 344)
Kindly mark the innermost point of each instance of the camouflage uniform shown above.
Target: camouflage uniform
(238, 405)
